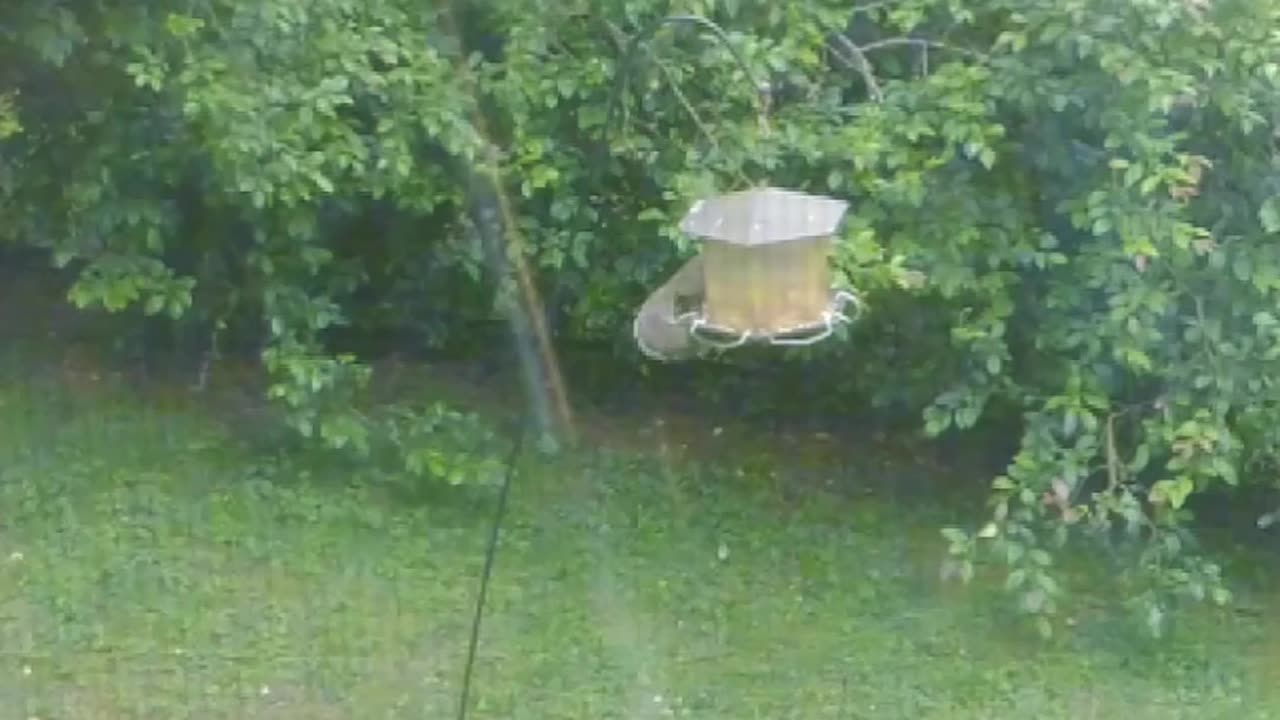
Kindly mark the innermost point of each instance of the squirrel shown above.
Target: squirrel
(657, 331)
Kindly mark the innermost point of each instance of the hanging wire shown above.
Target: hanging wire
(490, 555)
(546, 401)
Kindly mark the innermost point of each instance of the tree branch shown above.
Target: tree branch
(855, 56)
(860, 63)
(1113, 457)
(669, 75)
(920, 43)
(684, 101)
(871, 7)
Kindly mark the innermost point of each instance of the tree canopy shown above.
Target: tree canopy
(1067, 209)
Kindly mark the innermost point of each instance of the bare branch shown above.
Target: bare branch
(860, 63)
(920, 43)
(855, 56)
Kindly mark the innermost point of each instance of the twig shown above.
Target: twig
(862, 64)
(1204, 336)
(684, 100)
(871, 7)
(1113, 464)
(921, 43)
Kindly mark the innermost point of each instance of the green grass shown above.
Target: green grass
(153, 567)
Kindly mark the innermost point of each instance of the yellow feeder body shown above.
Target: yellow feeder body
(766, 257)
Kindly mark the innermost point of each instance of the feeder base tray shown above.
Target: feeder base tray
(724, 338)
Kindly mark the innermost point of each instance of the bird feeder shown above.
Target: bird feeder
(762, 276)
(765, 255)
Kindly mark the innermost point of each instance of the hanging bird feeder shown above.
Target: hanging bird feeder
(762, 275)
(765, 266)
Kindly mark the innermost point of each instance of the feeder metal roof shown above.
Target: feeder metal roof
(763, 216)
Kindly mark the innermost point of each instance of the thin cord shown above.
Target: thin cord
(490, 554)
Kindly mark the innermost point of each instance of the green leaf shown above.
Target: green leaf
(1003, 484)
(183, 25)
(1034, 601)
(1155, 620)
(1224, 469)
(1172, 492)
(1269, 214)
(1015, 580)
(1133, 174)
(154, 305)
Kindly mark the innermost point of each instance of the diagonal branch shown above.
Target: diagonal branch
(683, 99)
(860, 63)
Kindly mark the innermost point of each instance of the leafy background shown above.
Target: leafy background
(1064, 220)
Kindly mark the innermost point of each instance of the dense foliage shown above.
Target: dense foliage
(1067, 208)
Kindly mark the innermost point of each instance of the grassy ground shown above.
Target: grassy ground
(152, 567)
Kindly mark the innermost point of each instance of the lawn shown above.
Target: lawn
(155, 565)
